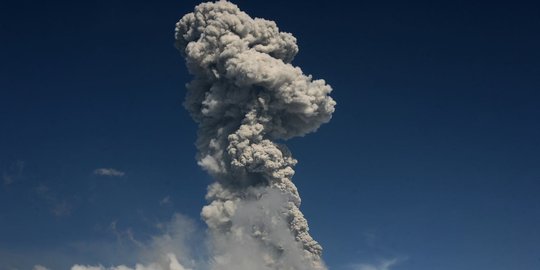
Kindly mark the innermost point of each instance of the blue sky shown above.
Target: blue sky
(431, 160)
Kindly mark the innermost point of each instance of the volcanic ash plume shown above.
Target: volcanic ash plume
(245, 95)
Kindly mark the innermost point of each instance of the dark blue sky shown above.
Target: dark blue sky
(432, 156)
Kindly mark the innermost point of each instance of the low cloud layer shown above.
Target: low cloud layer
(169, 262)
(171, 250)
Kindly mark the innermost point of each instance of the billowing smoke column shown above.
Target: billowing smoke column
(245, 95)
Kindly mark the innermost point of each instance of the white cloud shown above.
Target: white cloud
(385, 264)
(109, 172)
(40, 267)
(62, 208)
(170, 250)
(57, 206)
(168, 262)
(165, 201)
(126, 234)
(8, 179)
(14, 172)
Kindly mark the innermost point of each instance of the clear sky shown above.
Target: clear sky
(431, 161)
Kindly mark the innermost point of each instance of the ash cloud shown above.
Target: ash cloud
(245, 95)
